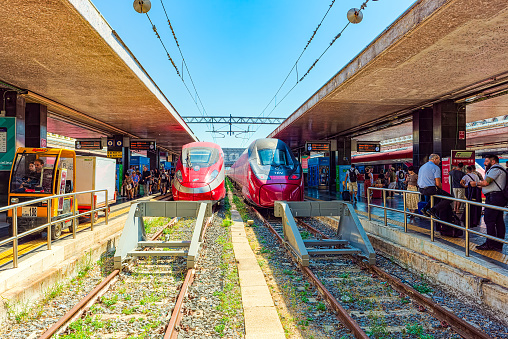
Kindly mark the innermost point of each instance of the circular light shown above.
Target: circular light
(355, 16)
(178, 175)
(142, 6)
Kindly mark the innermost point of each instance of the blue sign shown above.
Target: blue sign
(7, 142)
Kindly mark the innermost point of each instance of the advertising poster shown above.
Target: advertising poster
(305, 163)
(445, 174)
(7, 142)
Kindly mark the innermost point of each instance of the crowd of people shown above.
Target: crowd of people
(146, 182)
(466, 183)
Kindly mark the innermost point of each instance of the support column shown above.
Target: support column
(438, 130)
(36, 125)
(126, 159)
(344, 151)
(332, 184)
(422, 136)
(449, 121)
(153, 155)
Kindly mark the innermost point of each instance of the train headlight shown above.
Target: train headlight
(14, 200)
(178, 175)
(262, 176)
(211, 177)
(296, 175)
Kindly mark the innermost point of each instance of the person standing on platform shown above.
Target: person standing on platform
(369, 180)
(412, 199)
(147, 180)
(429, 182)
(135, 180)
(392, 181)
(473, 193)
(459, 192)
(352, 184)
(492, 188)
(401, 178)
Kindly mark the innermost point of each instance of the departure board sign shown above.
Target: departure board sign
(143, 144)
(465, 157)
(368, 147)
(88, 144)
(317, 146)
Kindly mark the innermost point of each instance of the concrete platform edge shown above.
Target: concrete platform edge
(35, 275)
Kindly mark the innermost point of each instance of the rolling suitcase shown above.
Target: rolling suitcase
(346, 196)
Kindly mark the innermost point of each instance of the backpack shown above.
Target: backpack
(402, 175)
(352, 175)
(505, 188)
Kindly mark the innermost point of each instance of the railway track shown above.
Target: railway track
(370, 301)
(148, 295)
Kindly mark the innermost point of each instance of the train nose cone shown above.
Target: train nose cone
(271, 192)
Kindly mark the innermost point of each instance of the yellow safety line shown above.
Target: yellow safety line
(498, 256)
(6, 256)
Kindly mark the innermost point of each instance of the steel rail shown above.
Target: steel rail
(102, 287)
(459, 325)
(79, 306)
(177, 313)
(341, 313)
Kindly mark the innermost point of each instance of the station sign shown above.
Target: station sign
(143, 144)
(7, 142)
(88, 144)
(465, 157)
(317, 146)
(115, 154)
(368, 147)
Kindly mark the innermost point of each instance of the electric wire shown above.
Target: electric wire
(184, 63)
(154, 28)
(363, 6)
(295, 65)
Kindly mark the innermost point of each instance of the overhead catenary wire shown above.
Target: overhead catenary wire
(184, 63)
(363, 6)
(295, 65)
(154, 28)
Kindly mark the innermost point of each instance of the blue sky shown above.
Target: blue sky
(240, 51)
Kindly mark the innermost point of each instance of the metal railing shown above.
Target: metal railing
(51, 220)
(432, 219)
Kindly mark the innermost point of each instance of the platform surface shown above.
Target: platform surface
(419, 225)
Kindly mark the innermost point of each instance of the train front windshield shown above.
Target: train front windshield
(199, 156)
(274, 157)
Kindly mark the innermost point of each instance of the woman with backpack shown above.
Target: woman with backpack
(472, 194)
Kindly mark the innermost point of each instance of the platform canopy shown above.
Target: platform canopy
(436, 50)
(67, 57)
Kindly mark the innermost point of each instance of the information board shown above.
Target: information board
(114, 154)
(465, 157)
(7, 142)
(368, 147)
(305, 163)
(88, 144)
(317, 146)
(142, 144)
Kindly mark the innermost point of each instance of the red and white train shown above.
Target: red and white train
(200, 173)
(268, 171)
